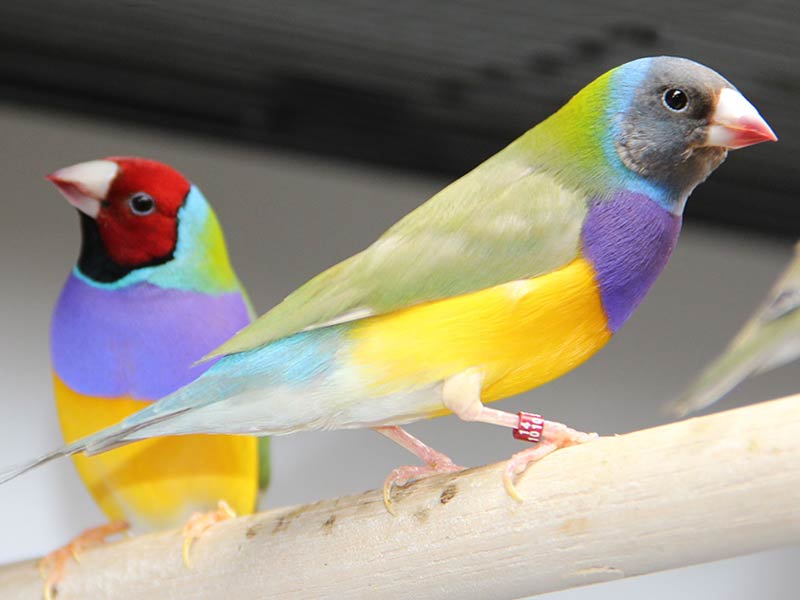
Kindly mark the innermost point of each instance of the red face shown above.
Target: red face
(137, 220)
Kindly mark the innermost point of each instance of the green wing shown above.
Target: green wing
(501, 222)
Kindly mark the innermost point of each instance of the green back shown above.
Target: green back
(501, 222)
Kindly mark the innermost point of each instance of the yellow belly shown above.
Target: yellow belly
(158, 483)
(520, 335)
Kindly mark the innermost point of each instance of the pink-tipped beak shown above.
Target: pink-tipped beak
(736, 123)
(86, 184)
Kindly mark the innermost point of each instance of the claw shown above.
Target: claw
(519, 462)
(554, 436)
(199, 523)
(435, 462)
(403, 475)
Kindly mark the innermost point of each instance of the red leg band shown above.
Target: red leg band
(530, 428)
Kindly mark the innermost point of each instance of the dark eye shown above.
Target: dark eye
(675, 99)
(141, 204)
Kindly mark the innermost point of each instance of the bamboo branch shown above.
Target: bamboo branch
(685, 493)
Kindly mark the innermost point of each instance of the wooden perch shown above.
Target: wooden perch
(685, 493)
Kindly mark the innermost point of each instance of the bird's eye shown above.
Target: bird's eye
(141, 204)
(676, 100)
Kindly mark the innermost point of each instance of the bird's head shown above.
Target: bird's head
(664, 120)
(131, 213)
(677, 119)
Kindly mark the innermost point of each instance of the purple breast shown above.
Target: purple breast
(139, 341)
(628, 240)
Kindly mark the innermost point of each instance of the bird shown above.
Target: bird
(508, 278)
(769, 339)
(153, 291)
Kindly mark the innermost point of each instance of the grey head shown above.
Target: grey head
(679, 120)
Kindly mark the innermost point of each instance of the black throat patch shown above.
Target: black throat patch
(94, 261)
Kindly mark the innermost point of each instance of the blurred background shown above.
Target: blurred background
(313, 126)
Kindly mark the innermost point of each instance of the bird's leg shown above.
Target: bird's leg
(436, 462)
(462, 395)
(200, 522)
(554, 437)
(53, 566)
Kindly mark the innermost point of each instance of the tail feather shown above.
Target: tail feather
(16, 471)
(148, 422)
(126, 431)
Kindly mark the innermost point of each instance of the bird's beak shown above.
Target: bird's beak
(736, 123)
(86, 184)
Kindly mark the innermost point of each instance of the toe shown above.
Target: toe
(401, 476)
(199, 523)
(186, 549)
(508, 483)
(53, 566)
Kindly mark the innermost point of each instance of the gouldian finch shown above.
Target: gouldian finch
(769, 339)
(511, 276)
(152, 292)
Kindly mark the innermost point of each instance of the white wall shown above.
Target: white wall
(287, 217)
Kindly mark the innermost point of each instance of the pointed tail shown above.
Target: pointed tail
(16, 471)
(126, 431)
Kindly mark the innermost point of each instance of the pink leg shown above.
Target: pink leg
(436, 462)
(547, 435)
(554, 436)
(462, 394)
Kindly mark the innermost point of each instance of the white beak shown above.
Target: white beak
(736, 123)
(86, 184)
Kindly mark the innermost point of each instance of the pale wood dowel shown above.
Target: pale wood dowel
(685, 493)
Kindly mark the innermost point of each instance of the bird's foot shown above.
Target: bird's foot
(436, 462)
(199, 523)
(548, 437)
(401, 476)
(53, 566)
